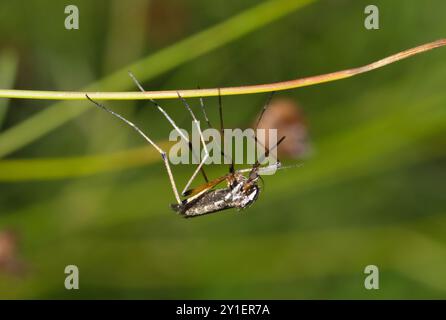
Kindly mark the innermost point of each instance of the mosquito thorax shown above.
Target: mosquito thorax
(242, 191)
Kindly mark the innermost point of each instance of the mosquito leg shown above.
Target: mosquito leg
(186, 139)
(265, 106)
(174, 125)
(254, 171)
(220, 108)
(196, 122)
(200, 166)
(256, 165)
(192, 178)
(159, 108)
(161, 151)
(203, 109)
(208, 121)
(266, 154)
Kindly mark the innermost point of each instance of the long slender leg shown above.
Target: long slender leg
(222, 127)
(256, 165)
(197, 124)
(265, 106)
(203, 109)
(254, 171)
(174, 125)
(161, 151)
(160, 108)
(220, 110)
(183, 136)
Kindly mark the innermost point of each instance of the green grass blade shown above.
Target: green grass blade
(8, 69)
(150, 67)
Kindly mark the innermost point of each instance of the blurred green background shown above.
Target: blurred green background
(76, 187)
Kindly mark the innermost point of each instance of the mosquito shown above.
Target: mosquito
(242, 188)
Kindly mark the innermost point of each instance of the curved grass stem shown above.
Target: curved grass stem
(173, 94)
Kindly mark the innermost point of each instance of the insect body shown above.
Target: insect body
(240, 191)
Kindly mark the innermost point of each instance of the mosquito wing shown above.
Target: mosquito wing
(204, 187)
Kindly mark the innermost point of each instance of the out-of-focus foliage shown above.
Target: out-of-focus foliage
(372, 191)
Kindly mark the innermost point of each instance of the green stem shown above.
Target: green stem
(173, 94)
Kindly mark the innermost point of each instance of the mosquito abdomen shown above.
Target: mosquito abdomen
(209, 202)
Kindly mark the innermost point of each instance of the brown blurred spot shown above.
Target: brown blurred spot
(287, 117)
(167, 21)
(9, 260)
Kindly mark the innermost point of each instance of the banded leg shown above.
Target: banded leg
(265, 106)
(203, 109)
(161, 151)
(197, 124)
(222, 127)
(171, 121)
